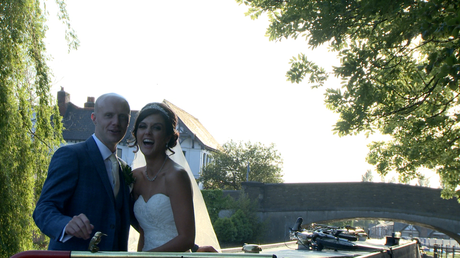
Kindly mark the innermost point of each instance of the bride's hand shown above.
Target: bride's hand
(207, 248)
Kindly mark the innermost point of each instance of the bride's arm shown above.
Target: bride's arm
(134, 196)
(137, 173)
(140, 244)
(135, 193)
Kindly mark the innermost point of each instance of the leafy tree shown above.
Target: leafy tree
(215, 202)
(367, 177)
(400, 67)
(230, 167)
(243, 226)
(30, 123)
(423, 181)
(225, 230)
(392, 180)
(248, 227)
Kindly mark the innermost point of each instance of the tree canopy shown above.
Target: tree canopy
(229, 167)
(30, 123)
(367, 177)
(399, 64)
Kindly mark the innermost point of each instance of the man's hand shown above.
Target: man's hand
(79, 226)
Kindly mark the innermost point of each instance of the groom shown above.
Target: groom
(83, 192)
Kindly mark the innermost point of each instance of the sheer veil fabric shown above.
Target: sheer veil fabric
(205, 234)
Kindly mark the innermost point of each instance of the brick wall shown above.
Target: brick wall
(281, 204)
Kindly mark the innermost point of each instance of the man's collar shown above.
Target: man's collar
(105, 152)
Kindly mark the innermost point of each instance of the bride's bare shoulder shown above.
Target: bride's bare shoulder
(138, 171)
(177, 171)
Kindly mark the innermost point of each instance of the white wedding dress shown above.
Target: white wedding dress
(156, 219)
(205, 235)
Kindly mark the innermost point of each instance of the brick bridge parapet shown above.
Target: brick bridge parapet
(281, 204)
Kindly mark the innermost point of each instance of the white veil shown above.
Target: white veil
(205, 234)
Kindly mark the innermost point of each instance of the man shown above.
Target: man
(84, 193)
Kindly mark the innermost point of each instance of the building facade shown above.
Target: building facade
(196, 142)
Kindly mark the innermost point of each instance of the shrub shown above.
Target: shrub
(243, 227)
(225, 230)
(215, 202)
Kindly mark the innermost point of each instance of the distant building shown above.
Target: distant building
(382, 229)
(196, 142)
(408, 231)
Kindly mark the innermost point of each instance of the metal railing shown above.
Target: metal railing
(431, 242)
(440, 251)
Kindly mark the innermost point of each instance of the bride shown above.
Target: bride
(162, 191)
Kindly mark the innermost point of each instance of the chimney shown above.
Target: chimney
(63, 98)
(89, 102)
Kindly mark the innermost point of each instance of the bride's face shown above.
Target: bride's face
(151, 135)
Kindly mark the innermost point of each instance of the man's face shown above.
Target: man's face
(111, 119)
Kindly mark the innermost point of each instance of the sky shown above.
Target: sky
(209, 59)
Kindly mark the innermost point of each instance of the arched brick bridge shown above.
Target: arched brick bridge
(281, 204)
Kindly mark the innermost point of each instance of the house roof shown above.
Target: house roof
(195, 127)
(78, 125)
(383, 224)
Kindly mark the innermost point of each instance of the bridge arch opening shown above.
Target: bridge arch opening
(317, 202)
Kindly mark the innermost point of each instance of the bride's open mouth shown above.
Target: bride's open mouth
(148, 142)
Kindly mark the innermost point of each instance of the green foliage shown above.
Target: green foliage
(364, 224)
(248, 227)
(242, 227)
(215, 202)
(229, 167)
(342, 223)
(225, 230)
(423, 181)
(30, 123)
(367, 177)
(400, 67)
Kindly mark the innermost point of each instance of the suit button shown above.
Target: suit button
(112, 226)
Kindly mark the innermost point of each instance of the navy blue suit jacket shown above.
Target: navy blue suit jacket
(77, 183)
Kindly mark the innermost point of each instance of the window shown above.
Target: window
(204, 160)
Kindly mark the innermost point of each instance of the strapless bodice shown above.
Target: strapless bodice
(156, 219)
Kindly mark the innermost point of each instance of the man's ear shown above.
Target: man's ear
(93, 117)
